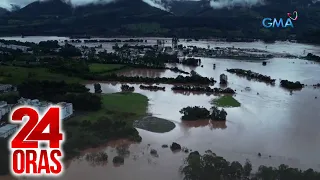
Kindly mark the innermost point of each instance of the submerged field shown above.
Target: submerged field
(226, 101)
(102, 68)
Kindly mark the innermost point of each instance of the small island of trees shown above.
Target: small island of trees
(201, 113)
(127, 88)
(252, 75)
(291, 85)
(152, 88)
(206, 89)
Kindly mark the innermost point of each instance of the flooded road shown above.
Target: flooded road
(284, 128)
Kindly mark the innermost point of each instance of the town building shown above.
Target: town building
(4, 108)
(7, 130)
(66, 109)
(40, 106)
(7, 88)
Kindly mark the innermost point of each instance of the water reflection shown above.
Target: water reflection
(203, 123)
(145, 72)
(188, 93)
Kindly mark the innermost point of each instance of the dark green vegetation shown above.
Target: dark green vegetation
(97, 88)
(201, 113)
(154, 124)
(210, 166)
(226, 101)
(165, 80)
(88, 133)
(291, 85)
(16, 75)
(9, 97)
(101, 68)
(206, 89)
(56, 92)
(126, 88)
(252, 75)
(186, 19)
(152, 88)
(113, 120)
(97, 158)
(313, 57)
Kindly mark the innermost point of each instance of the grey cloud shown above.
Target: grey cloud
(217, 4)
(155, 3)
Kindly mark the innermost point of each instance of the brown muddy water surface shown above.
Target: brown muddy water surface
(275, 123)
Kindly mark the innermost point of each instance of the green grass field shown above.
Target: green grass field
(100, 68)
(15, 75)
(226, 101)
(119, 105)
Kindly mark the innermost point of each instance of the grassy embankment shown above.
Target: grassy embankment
(106, 68)
(16, 75)
(226, 101)
(118, 105)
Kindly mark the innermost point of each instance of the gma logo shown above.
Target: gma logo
(271, 23)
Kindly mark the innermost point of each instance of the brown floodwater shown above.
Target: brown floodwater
(275, 123)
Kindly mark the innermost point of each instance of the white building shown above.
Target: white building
(8, 130)
(4, 108)
(40, 106)
(7, 88)
(66, 108)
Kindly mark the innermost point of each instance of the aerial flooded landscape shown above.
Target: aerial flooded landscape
(271, 123)
(160, 89)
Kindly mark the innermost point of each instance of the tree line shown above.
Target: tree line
(55, 92)
(200, 113)
(210, 166)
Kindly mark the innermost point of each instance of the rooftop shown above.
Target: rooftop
(7, 127)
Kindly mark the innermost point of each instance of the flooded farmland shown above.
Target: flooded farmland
(283, 127)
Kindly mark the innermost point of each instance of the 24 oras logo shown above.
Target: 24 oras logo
(271, 23)
(28, 156)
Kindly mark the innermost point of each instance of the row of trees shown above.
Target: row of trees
(210, 166)
(206, 89)
(200, 113)
(291, 85)
(54, 91)
(252, 75)
(152, 88)
(141, 79)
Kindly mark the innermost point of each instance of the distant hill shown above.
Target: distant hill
(3, 11)
(119, 8)
(195, 19)
(45, 8)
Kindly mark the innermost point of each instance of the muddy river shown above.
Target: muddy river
(283, 127)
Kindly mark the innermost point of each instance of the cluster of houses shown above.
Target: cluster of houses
(7, 88)
(9, 129)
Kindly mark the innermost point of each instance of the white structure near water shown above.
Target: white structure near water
(66, 108)
(7, 130)
(4, 108)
